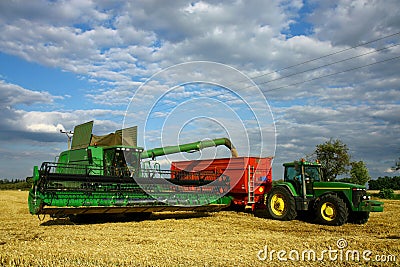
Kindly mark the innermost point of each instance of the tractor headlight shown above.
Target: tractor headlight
(359, 194)
(366, 197)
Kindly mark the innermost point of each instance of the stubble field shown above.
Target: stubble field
(188, 239)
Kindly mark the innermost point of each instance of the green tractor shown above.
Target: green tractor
(332, 203)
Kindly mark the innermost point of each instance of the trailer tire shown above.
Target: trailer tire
(281, 204)
(359, 217)
(331, 210)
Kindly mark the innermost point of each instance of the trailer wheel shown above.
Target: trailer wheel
(281, 204)
(359, 217)
(331, 210)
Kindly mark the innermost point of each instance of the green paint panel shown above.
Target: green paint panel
(288, 186)
(82, 135)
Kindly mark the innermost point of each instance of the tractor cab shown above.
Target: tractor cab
(302, 175)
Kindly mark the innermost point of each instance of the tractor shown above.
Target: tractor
(304, 191)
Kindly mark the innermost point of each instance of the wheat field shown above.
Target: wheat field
(225, 238)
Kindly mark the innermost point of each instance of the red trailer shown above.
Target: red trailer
(250, 177)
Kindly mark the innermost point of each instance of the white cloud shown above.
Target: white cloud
(351, 22)
(391, 170)
(12, 94)
(44, 126)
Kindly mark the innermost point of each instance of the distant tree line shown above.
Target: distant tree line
(385, 183)
(14, 184)
(12, 181)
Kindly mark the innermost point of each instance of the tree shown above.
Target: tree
(385, 182)
(344, 180)
(334, 158)
(359, 173)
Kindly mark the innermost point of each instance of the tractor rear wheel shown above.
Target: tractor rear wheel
(281, 204)
(331, 210)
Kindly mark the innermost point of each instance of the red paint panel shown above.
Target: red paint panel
(236, 168)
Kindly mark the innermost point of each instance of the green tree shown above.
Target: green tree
(344, 180)
(385, 182)
(359, 173)
(334, 158)
(387, 193)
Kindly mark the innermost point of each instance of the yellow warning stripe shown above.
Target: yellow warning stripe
(333, 188)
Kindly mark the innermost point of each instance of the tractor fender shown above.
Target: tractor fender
(335, 193)
(288, 186)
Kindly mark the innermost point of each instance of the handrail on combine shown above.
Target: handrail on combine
(68, 168)
(53, 171)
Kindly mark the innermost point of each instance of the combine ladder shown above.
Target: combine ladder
(250, 187)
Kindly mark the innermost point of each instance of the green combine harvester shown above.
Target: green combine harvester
(106, 175)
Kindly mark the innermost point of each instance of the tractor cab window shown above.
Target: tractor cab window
(312, 173)
(293, 173)
(293, 176)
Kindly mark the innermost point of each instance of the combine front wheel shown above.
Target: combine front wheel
(281, 204)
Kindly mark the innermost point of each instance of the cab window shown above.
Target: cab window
(312, 173)
(292, 173)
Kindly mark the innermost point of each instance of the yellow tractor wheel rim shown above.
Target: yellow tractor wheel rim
(328, 211)
(278, 204)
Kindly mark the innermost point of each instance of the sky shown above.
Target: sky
(277, 77)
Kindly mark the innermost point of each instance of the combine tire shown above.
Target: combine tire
(331, 210)
(138, 216)
(359, 217)
(281, 204)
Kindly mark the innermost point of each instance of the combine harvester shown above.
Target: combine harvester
(111, 175)
(99, 175)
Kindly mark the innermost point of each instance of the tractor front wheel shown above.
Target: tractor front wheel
(281, 204)
(359, 217)
(331, 210)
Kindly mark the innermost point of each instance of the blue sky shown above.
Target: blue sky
(63, 63)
